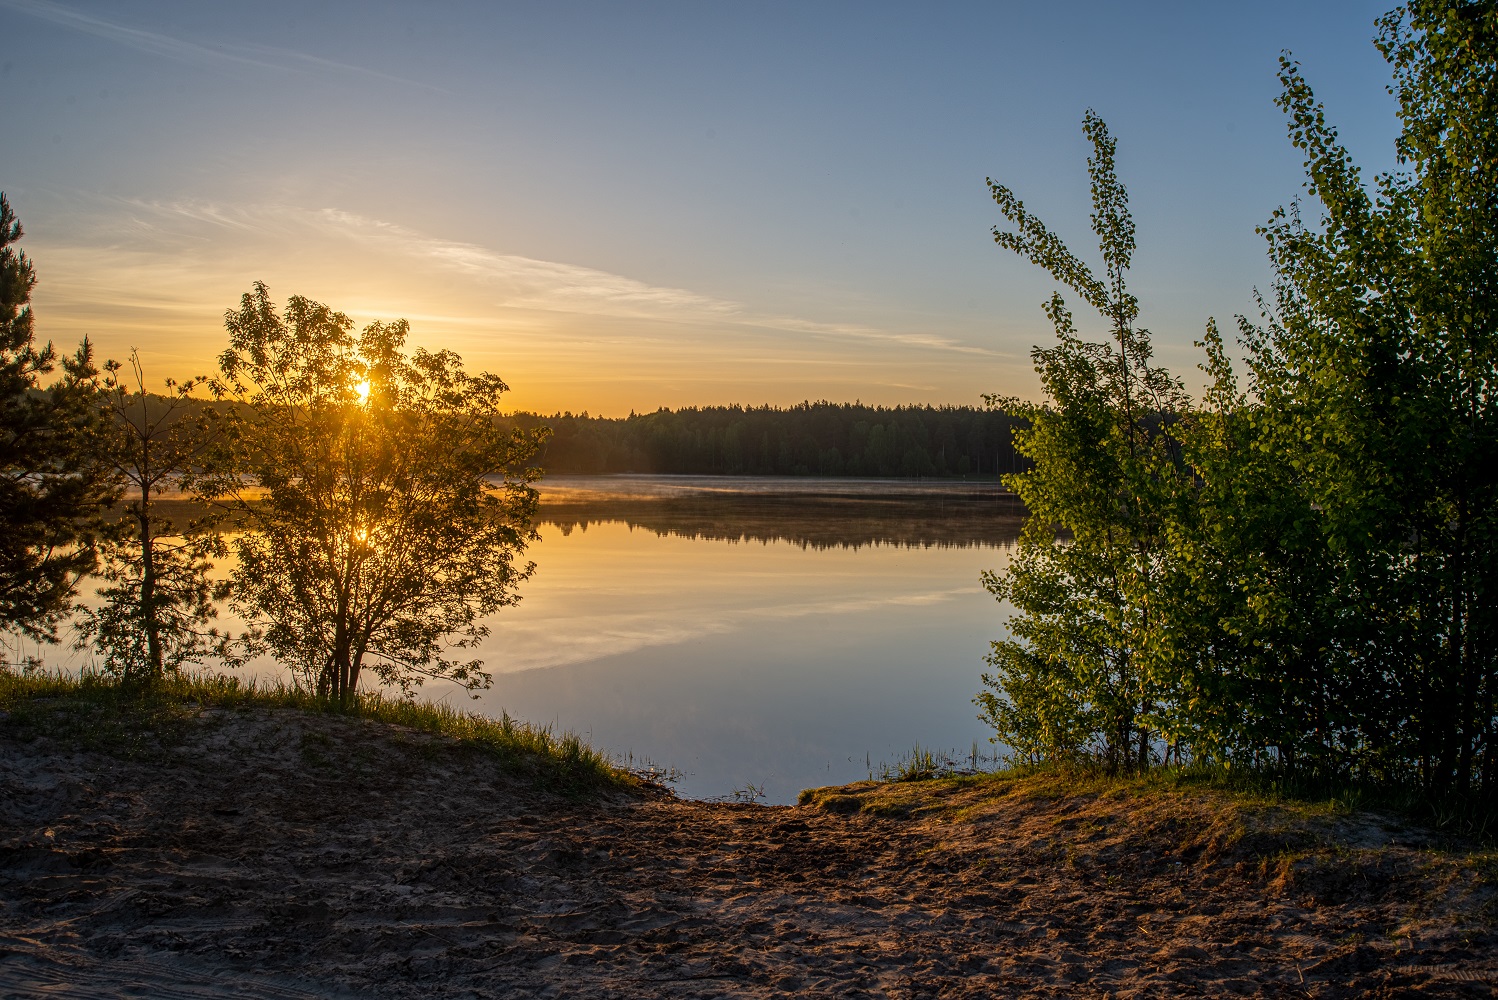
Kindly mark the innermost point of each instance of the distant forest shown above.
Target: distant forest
(809, 439)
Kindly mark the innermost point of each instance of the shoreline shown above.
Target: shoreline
(277, 852)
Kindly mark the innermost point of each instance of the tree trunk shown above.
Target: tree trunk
(150, 622)
(356, 661)
(149, 619)
(342, 667)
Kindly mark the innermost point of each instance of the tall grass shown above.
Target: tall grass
(923, 764)
(97, 711)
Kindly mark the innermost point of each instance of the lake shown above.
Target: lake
(749, 632)
(773, 633)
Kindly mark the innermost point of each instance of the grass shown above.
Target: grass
(1324, 850)
(1068, 813)
(923, 764)
(94, 712)
(1471, 818)
(1463, 818)
(927, 784)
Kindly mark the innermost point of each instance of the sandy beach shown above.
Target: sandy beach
(272, 853)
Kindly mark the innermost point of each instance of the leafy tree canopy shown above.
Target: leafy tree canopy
(387, 508)
(1301, 572)
(1077, 675)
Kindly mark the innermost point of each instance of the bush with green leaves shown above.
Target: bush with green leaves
(1300, 572)
(1377, 366)
(1079, 674)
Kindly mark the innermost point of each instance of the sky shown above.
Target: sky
(624, 206)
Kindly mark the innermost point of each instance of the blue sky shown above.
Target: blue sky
(624, 206)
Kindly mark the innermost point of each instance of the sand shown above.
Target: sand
(277, 854)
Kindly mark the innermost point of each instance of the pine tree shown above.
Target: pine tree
(52, 486)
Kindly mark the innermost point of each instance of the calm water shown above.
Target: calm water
(775, 633)
(780, 633)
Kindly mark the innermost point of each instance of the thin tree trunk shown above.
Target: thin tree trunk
(1144, 742)
(356, 661)
(149, 619)
(341, 667)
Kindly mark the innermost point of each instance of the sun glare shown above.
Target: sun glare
(363, 390)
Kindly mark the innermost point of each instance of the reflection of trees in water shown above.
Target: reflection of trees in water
(808, 521)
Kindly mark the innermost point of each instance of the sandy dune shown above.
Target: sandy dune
(279, 855)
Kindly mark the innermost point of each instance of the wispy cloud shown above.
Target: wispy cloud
(512, 281)
(264, 57)
(927, 340)
(557, 284)
(535, 283)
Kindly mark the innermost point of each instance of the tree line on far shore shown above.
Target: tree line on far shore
(808, 439)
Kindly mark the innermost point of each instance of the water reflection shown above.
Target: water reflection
(752, 636)
(779, 633)
(815, 514)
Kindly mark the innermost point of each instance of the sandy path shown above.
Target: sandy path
(248, 862)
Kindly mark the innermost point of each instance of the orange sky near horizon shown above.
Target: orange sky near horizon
(564, 337)
(621, 207)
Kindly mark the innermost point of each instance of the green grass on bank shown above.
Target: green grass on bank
(1104, 828)
(1466, 818)
(915, 792)
(93, 711)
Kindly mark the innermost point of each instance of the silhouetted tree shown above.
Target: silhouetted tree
(159, 601)
(808, 439)
(385, 506)
(52, 487)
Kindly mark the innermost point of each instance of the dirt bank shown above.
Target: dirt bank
(278, 854)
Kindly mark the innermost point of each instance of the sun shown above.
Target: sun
(363, 390)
